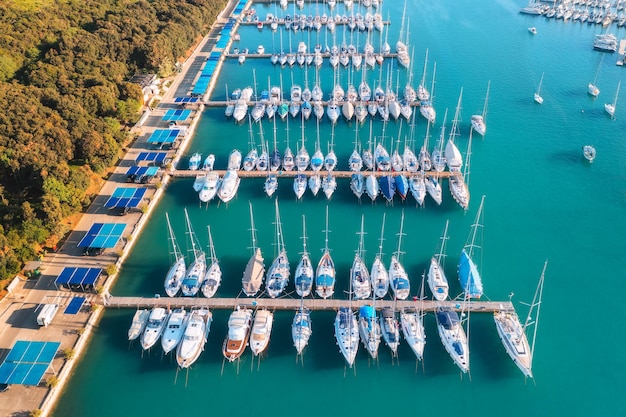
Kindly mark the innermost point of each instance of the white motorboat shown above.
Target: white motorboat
(347, 334)
(229, 186)
(301, 329)
(390, 329)
(207, 165)
(209, 187)
(239, 324)
(176, 273)
(195, 337)
(255, 269)
(174, 330)
(241, 110)
(194, 161)
(154, 328)
(197, 268)
(278, 273)
(325, 273)
(213, 277)
(138, 324)
(437, 281)
(453, 336)
(261, 331)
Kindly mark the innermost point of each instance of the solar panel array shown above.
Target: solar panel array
(126, 197)
(164, 135)
(202, 83)
(78, 277)
(27, 362)
(176, 115)
(102, 235)
(225, 35)
(157, 157)
(240, 6)
(186, 100)
(138, 173)
(75, 305)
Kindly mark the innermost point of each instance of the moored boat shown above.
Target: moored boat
(453, 336)
(154, 328)
(238, 333)
(195, 337)
(174, 330)
(138, 324)
(255, 269)
(261, 331)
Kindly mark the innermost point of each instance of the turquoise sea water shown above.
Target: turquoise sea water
(543, 201)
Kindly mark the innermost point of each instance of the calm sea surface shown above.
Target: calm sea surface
(543, 201)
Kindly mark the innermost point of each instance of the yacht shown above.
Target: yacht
(299, 185)
(303, 279)
(347, 334)
(453, 336)
(261, 331)
(138, 324)
(209, 187)
(213, 277)
(241, 110)
(390, 329)
(229, 186)
(514, 339)
(589, 153)
(359, 275)
(301, 329)
(234, 160)
(437, 281)
(369, 330)
(255, 269)
(357, 184)
(194, 161)
(176, 273)
(154, 328)
(271, 184)
(278, 273)
(315, 183)
(325, 273)
(196, 270)
(417, 186)
(380, 278)
(412, 323)
(194, 337)
(606, 42)
(174, 329)
(238, 333)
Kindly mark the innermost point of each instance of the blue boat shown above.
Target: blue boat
(402, 185)
(387, 187)
(469, 277)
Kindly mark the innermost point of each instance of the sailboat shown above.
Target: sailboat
(453, 336)
(176, 273)
(347, 334)
(589, 152)
(173, 332)
(303, 279)
(437, 156)
(271, 181)
(452, 154)
(213, 276)
(437, 281)
(478, 120)
(390, 329)
(592, 88)
(359, 275)
(513, 333)
(538, 97)
(398, 278)
(261, 331)
(255, 270)
(325, 273)
(369, 329)
(610, 107)
(378, 273)
(196, 270)
(412, 324)
(194, 337)
(238, 333)
(422, 92)
(302, 157)
(278, 273)
(469, 276)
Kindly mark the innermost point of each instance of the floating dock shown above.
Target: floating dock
(336, 174)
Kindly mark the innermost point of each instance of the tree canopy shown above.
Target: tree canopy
(66, 103)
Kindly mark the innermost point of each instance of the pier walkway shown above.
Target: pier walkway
(294, 303)
(337, 174)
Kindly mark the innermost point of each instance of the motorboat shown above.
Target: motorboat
(238, 333)
(195, 337)
(199, 181)
(229, 186)
(453, 336)
(210, 185)
(138, 324)
(357, 184)
(589, 152)
(194, 161)
(390, 329)
(347, 334)
(154, 328)
(208, 163)
(174, 330)
(261, 331)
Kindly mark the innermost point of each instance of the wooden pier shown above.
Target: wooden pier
(220, 103)
(281, 22)
(294, 303)
(325, 55)
(282, 174)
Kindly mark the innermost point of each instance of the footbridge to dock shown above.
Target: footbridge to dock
(295, 303)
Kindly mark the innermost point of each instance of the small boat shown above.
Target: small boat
(325, 273)
(453, 336)
(213, 277)
(138, 324)
(478, 120)
(469, 276)
(347, 334)
(303, 278)
(437, 281)
(357, 184)
(255, 270)
(329, 185)
(176, 273)
(378, 273)
(390, 329)
(234, 160)
(532, 30)
(229, 186)
(359, 275)
(539, 99)
(196, 270)
(261, 331)
(194, 161)
(610, 107)
(209, 188)
(174, 330)
(412, 324)
(195, 337)
(299, 185)
(315, 183)
(278, 273)
(369, 329)
(154, 328)
(301, 329)
(589, 152)
(207, 165)
(238, 333)
(371, 187)
(398, 277)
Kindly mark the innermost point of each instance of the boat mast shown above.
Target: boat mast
(444, 237)
(475, 226)
(398, 252)
(536, 303)
(175, 249)
(192, 236)
(486, 100)
(304, 251)
(455, 121)
(252, 229)
(326, 232)
(211, 247)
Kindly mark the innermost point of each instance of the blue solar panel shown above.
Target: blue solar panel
(183, 100)
(164, 135)
(151, 157)
(27, 362)
(102, 235)
(176, 115)
(74, 306)
(125, 197)
(78, 276)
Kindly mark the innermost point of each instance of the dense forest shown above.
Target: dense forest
(66, 103)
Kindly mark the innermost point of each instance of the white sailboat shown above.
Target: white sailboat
(176, 273)
(255, 270)
(303, 279)
(378, 273)
(261, 331)
(610, 107)
(390, 329)
(453, 336)
(174, 330)
(538, 98)
(196, 270)
(513, 333)
(278, 273)
(437, 156)
(347, 334)
(325, 273)
(195, 337)
(592, 88)
(301, 328)
(359, 275)
(213, 276)
(412, 324)
(398, 278)
(469, 275)
(437, 281)
(369, 329)
(479, 120)
(452, 154)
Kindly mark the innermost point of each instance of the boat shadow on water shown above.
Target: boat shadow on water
(569, 157)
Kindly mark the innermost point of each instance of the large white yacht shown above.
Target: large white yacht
(390, 329)
(369, 330)
(453, 336)
(195, 337)
(261, 331)
(347, 334)
(173, 330)
(301, 329)
(412, 323)
(154, 328)
(238, 333)
(229, 186)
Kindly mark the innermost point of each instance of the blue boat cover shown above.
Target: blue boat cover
(469, 277)
(387, 187)
(447, 318)
(324, 280)
(401, 284)
(367, 312)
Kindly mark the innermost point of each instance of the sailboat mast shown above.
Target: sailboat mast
(536, 302)
(304, 251)
(486, 100)
(211, 247)
(400, 236)
(252, 229)
(381, 239)
(443, 243)
(475, 227)
(326, 232)
(453, 130)
(191, 235)
(175, 249)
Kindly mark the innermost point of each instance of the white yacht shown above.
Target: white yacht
(453, 336)
(417, 186)
(255, 269)
(301, 329)
(229, 186)
(325, 273)
(238, 333)
(174, 330)
(209, 187)
(176, 273)
(369, 330)
(197, 268)
(261, 331)
(154, 328)
(315, 183)
(213, 277)
(329, 185)
(303, 278)
(278, 273)
(299, 185)
(514, 339)
(398, 277)
(412, 323)
(347, 334)
(138, 324)
(195, 337)
(390, 329)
